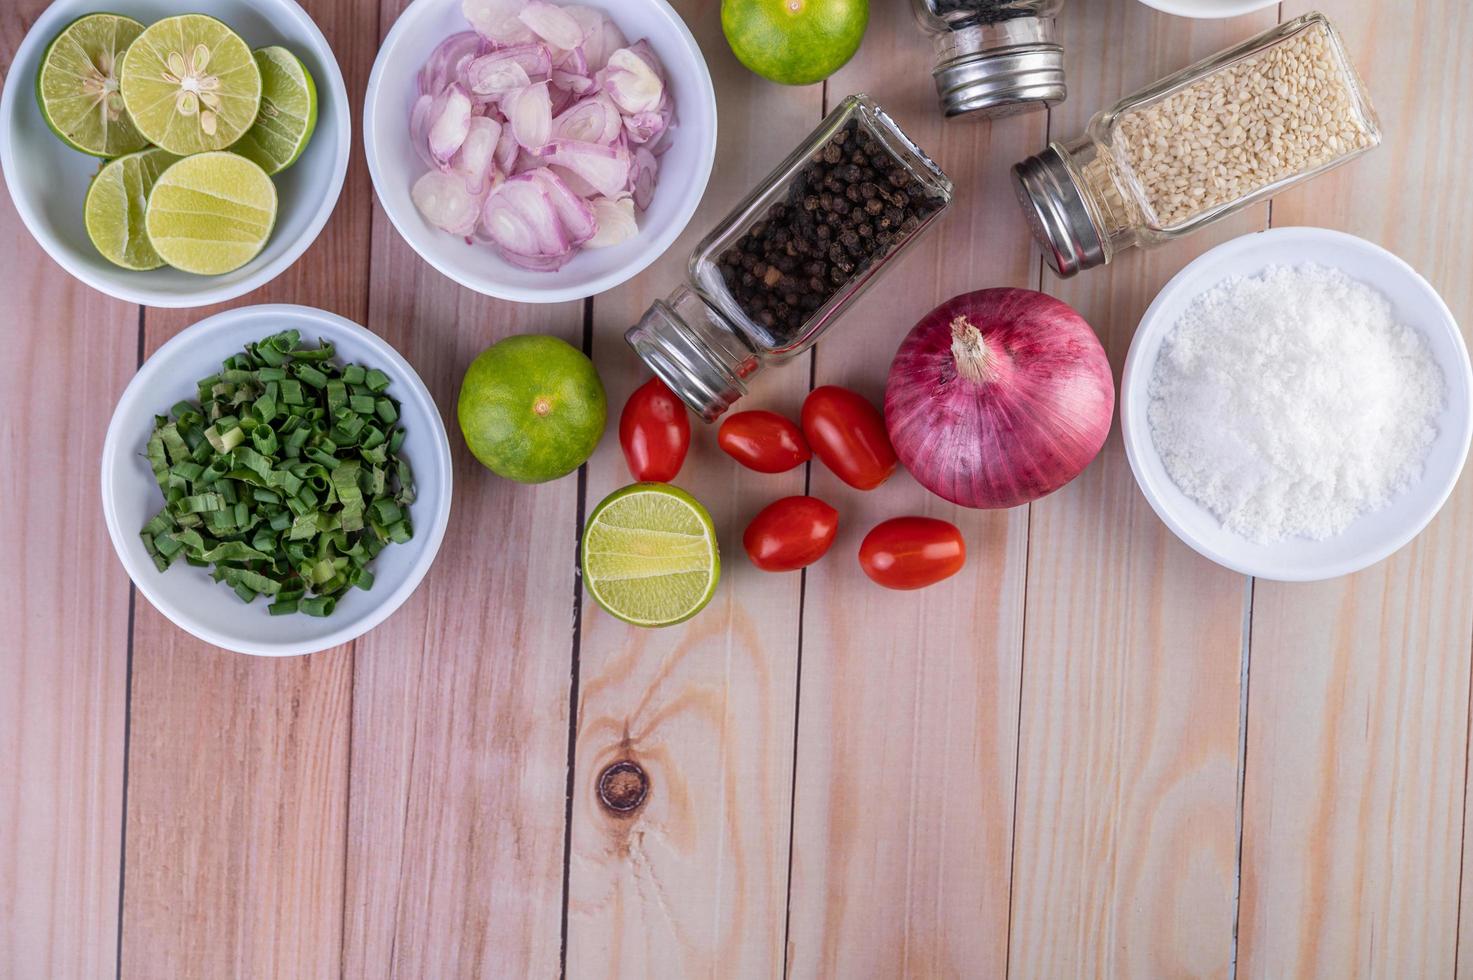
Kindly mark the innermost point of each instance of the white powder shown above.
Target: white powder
(1293, 402)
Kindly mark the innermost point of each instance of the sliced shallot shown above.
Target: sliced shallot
(475, 161)
(632, 83)
(497, 20)
(507, 69)
(553, 24)
(616, 224)
(577, 215)
(447, 62)
(539, 232)
(529, 110)
(542, 129)
(449, 122)
(419, 128)
(642, 173)
(507, 149)
(593, 120)
(606, 168)
(601, 36)
(643, 127)
(580, 186)
(642, 50)
(445, 202)
(571, 83)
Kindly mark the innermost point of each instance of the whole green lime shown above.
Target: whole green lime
(532, 408)
(795, 42)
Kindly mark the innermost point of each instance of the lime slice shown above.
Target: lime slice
(77, 86)
(288, 112)
(212, 213)
(650, 556)
(115, 207)
(191, 85)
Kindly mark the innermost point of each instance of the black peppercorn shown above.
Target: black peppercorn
(844, 209)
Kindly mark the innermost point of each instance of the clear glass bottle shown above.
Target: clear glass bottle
(994, 57)
(1227, 132)
(787, 262)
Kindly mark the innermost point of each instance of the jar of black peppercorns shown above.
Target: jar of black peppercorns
(791, 258)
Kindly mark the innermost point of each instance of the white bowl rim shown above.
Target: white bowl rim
(533, 294)
(1137, 437)
(41, 33)
(414, 387)
(1179, 9)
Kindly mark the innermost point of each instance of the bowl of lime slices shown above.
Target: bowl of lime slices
(174, 159)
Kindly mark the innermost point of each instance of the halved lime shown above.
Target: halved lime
(77, 86)
(650, 555)
(116, 204)
(288, 112)
(191, 85)
(211, 213)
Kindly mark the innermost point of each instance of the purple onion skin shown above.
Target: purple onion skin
(1030, 422)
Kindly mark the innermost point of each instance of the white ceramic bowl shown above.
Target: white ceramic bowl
(48, 180)
(1374, 536)
(186, 595)
(684, 168)
(1208, 8)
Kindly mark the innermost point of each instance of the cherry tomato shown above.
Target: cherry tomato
(848, 434)
(654, 432)
(763, 441)
(912, 552)
(790, 534)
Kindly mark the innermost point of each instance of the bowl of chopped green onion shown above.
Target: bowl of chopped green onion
(276, 480)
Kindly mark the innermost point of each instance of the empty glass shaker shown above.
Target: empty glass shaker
(994, 57)
(783, 266)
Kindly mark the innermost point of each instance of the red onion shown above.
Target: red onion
(999, 397)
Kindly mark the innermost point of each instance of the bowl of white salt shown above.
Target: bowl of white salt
(1297, 404)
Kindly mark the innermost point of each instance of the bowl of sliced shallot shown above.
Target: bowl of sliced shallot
(537, 151)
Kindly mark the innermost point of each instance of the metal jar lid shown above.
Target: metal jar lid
(1000, 69)
(695, 361)
(1057, 213)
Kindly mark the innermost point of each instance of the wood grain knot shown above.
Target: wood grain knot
(623, 786)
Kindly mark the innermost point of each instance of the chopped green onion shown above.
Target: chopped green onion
(285, 479)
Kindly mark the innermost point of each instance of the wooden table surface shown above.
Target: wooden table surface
(1093, 753)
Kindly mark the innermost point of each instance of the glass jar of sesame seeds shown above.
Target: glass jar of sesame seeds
(1210, 140)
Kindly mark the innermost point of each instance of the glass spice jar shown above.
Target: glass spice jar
(1227, 132)
(994, 57)
(787, 262)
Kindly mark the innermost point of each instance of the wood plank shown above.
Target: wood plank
(238, 766)
(63, 649)
(1125, 851)
(695, 883)
(1353, 818)
(460, 701)
(908, 717)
